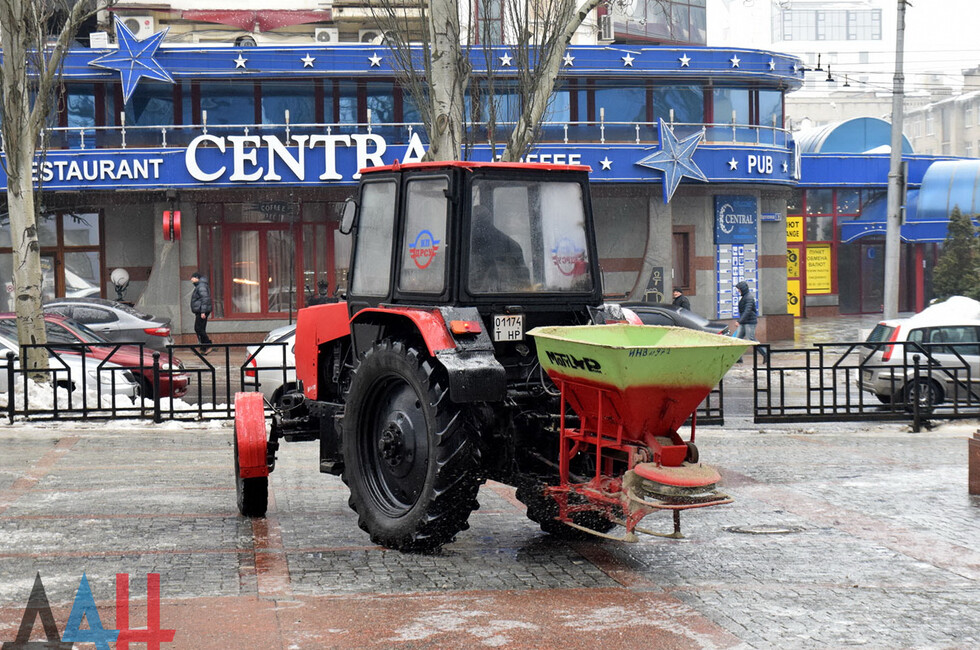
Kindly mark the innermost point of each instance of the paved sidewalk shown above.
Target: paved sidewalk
(847, 535)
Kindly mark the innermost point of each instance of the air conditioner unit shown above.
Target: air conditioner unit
(326, 35)
(373, 36)
(606, 31)
(140, 26)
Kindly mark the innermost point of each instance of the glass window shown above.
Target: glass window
(93, 315)
(297, 97)
(794, 204)
(151, 105)
(281, 251)
(347, 90)
(820, 202)
(819, 228)
(731, 104)
(58, 335)
(82, 275)
(81, 228)
(245, 280)
(381, 102)
(424, 252)
(848, 201)
(80, 105)
(376, 219)
(527, 236)
(559, 107)
(771, 108)
(228, 103)
(687, 103)
(621, 103)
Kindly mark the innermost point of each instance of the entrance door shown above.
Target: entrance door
(872, 277)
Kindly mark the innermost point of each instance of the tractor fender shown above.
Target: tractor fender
(315, 326)
(474, 373)
(250, 435)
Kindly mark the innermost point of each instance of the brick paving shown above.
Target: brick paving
(877, 548)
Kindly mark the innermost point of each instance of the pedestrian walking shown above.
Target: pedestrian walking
(680, 300)
(201, 306)
(748, 315)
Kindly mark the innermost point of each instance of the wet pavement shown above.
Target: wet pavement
(840, 535)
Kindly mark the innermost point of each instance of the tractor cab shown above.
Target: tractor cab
(513, 240)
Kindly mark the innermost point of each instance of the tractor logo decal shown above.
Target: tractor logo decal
(563, 360)
(569, 258)
(423, 250)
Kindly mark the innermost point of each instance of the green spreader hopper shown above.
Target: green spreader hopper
(632, 387)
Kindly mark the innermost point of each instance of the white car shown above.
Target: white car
(945, 336)
(272, 365)
(72, 371)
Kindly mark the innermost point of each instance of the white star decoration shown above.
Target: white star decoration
(308, 61)
(772, 64)
(785, 167)
(505, 60)
(685, 61)
(606, 163)
(240, 61)
(375, 60)
(568, 60)
(733, 165)
(735, 61)
(675, 159)
(628, 61)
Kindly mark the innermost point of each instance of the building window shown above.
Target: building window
(968, 115)
(834, 25)
(687, 103)
(864, 25)
(489, 15)
(71, 256)
(831, 25)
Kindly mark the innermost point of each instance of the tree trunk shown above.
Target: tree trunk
(449, 77)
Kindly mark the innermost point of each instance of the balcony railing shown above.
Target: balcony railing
(601, 132)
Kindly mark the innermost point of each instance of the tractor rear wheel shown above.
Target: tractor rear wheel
(411, 458)
(543, 510)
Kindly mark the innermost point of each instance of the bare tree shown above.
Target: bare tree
(36, 35)
(437, 73)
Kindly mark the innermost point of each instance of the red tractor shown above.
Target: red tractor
(424, 383)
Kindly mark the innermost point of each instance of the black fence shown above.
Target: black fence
(185, 382)
(867, 381)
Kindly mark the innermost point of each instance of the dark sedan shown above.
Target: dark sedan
(115, 321)
(661, 314)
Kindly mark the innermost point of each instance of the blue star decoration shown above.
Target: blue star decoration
(675, 159)
(134, 59)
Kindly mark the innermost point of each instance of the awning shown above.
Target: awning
(854, 136)
(917, 227)
(261, 20)
(950, 184)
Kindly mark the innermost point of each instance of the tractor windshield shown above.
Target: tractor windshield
(528, 237)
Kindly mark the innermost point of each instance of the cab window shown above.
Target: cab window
(375, 227)
(424, 243)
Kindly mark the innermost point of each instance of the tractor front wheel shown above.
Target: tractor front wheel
(411, 458)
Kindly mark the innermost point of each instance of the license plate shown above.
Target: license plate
(508, 327)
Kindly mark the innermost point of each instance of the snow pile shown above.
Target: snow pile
(47, 396)
(957, 309)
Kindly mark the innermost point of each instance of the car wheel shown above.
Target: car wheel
(927, 392)
(885, 399)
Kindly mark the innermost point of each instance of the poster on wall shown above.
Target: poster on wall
(818, 269)
(655, 287)
(733, 264)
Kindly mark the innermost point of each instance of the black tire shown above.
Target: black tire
(411, 458)
(543, 509)
(929, 395)
(252, 494)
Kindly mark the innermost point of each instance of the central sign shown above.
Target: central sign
(736, 219)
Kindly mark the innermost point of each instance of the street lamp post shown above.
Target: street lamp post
(896, 180)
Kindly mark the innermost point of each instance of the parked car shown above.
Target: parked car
(272, 368)
(115, 321)
(73, 371)
(663, 314)
(66, 332)
(946, 336)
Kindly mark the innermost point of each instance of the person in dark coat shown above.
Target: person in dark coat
(680, 300)
(748, 314)
(201, 306)
(497, 260)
